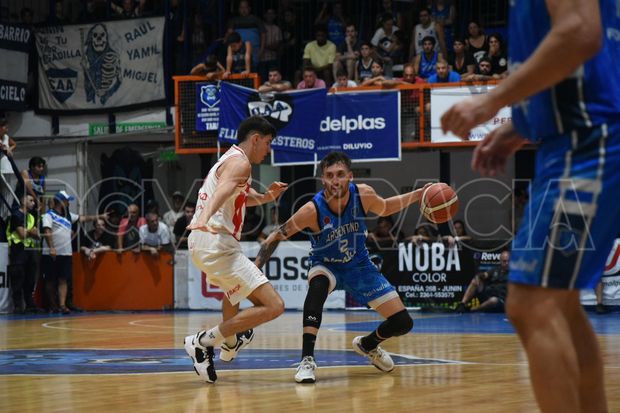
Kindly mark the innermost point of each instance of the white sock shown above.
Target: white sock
(231, 341)
(213, 338)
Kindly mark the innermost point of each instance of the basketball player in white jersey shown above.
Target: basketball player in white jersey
(215, 249)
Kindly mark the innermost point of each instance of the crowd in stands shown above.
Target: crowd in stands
(216, 39)
(436, 53)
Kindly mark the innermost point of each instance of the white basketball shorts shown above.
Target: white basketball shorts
(220, 257)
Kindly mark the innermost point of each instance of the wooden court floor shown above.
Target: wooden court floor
(134, 362)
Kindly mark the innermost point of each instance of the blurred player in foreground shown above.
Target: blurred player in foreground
(569, 99)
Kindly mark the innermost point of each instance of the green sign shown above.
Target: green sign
(95, 129)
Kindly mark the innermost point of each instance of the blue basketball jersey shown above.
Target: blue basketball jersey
(588, 98)
(342, 238)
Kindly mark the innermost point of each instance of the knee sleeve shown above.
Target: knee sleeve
(313, 306)
(396, 325)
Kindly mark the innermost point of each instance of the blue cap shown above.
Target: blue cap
(63, 196)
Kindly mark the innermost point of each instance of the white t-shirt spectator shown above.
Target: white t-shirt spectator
(61, 231)
(5, 165)
(381, 36)
(155, 239)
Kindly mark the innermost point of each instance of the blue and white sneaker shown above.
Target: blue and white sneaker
(228, 354)
(201, 356)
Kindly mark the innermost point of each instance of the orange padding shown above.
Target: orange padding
(126, 281)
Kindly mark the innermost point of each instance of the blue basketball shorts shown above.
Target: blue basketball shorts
(573, 215)
(367, 285)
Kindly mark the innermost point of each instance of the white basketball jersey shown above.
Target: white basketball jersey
(229, 218)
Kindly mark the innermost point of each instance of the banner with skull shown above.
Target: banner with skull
(101, 66)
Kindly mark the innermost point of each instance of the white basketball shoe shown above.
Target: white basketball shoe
(305, 371)
(243, 339)
(201, 356)
(378, 357)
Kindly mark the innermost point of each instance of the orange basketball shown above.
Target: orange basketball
(439, 203)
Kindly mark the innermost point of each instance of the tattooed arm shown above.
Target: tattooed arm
(305, 217)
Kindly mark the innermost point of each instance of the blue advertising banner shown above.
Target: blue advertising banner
(365, 126)
(207, 106)
(296, 115)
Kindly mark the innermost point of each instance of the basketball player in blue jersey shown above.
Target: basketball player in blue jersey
(564, 88)
(335, 219)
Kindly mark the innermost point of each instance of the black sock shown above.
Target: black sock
(371, 341)
(308, 345)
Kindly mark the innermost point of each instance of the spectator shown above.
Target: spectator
(484, 71)
(22, 235)
(128, 10)
(7, 146)
(310, 80)
(383, 39)
(410, 101)
(397, 54)
(199, 37)
(180, 231)
(426, 28)
(58, 17)
(320, 55)
(364, 63)
(378, 77)
(155, 235)
(238, 55)
(477, 43)
(460, 234)
(334, 22)
(291, 35)
(128, 237)
(210, 68)
(56, 261)
(275, 82)
(426, 61)
(33, 182)
(98, 240)
(443, 13)
(93, 11)
(273, 44)
(171, 217)
(342, 80)
(388, 6)
(460, 60)
(348, 52)
(423, 233)
(444, 74)
(251, 29)
(499, 61)
(26, 17)
(489, 287)
(384, 235)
